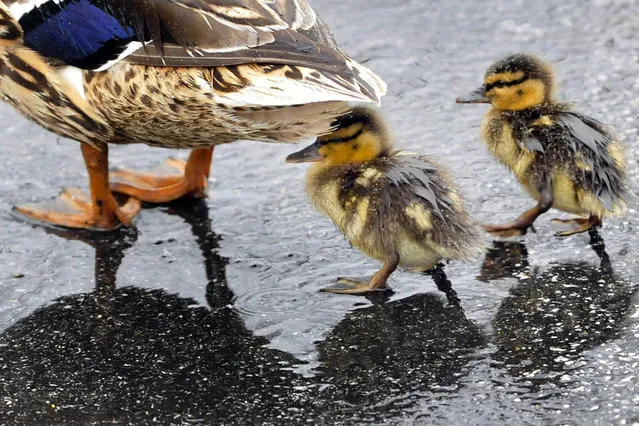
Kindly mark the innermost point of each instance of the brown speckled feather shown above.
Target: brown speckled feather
(31, 86)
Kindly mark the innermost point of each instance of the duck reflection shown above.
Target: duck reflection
(129, 355)
(552, 316)
(397, 348)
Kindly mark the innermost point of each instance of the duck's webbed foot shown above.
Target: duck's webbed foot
(583, 225)
(168, 182)
(376, 283)
(74, 209)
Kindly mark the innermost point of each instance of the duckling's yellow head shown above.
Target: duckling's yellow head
(515, 83)
(358, 137)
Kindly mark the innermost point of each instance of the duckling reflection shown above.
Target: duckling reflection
(504, 259)
(397, 348)
(550, 318)
(147, 355)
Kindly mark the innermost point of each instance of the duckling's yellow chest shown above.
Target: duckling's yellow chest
(351, 213)
(498, 135)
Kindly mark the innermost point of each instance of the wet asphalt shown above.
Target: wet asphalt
(210, 313)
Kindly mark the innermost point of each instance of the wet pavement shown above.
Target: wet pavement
(209, 312)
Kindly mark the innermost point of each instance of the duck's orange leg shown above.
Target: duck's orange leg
(170, 181)
(73, 209)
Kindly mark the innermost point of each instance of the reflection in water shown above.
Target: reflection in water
(504, 259)
(109, 251)
(551, 317)
(133, 354)
(398, 348)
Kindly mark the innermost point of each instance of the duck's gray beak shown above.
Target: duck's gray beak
(477, 96)
(307, 155)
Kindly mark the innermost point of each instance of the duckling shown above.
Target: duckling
(397, 207)
(173, 74)
(564, 159)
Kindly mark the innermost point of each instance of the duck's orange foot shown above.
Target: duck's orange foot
(168, 182)
(74, 209)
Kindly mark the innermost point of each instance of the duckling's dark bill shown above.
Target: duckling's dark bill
(307, 155)
(477, 96)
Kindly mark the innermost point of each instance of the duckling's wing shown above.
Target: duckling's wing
(422, 195)
(590, 141)
(606, 179)
(585, 131)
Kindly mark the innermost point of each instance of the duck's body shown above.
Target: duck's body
(564, 159)
(192, 108)
(174, 74)
(397, 207)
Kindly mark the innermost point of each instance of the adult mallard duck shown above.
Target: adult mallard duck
(170, 73)
(398, 207)
(563, 158)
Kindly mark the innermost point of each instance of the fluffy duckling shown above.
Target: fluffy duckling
(397, 207)
(563, 158)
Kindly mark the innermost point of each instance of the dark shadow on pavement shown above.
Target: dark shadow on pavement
(552, 316)
(379, 359)
(135, 355)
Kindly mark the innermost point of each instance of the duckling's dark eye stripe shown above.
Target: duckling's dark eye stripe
(500, 83)
(340, 140)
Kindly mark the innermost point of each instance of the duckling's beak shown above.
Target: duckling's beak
(477, 96)
(307, 155)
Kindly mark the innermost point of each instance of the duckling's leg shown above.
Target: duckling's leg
(443, 284)
(73, 209)
(377, 283)
(163, 184)
(584, 225)
(521, 225)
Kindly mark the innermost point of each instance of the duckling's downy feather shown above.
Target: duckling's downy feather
(577, 144)
(407, 200)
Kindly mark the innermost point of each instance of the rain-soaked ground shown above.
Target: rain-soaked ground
(210, 311)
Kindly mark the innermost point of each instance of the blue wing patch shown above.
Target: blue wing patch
(76, 32)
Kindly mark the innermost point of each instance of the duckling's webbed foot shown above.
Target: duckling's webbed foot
(508, 230)
(584, 224)
(376, 283)
(168, 182)
(353, 286)
(523, 223)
